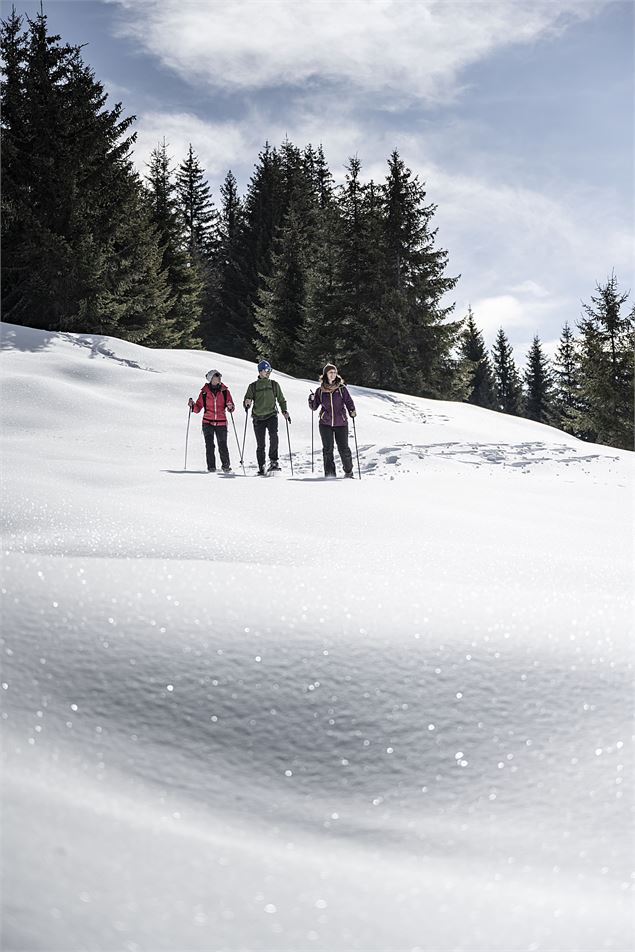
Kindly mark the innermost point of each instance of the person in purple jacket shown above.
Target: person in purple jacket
(333, 400)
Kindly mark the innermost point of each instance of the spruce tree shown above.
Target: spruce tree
(539, 387)
(480, 378)
(14, 185)
(414, 284)
(262, 216)
(202, 232)
(606, 367)
(181, 326)
(229, 326)
(76, 250)
(280, 317)
(321, 336)
(566, 375)
(194, 199)
(322, 179)
(364, 345)
(507, 383)
(280, 313)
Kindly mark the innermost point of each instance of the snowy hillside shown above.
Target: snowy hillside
(293, 714)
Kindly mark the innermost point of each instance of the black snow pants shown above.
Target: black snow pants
(260, 429)
(209, 431)
(339, 434)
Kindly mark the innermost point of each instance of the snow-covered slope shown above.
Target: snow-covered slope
(290, 714)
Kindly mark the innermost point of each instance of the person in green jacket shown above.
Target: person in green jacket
(264, 393)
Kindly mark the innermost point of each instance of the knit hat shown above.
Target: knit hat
(328, 367)
(264, 365)
(209, 376)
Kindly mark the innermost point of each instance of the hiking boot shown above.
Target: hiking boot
(349, 476)
(261, 471)
(274, 465)
(211, 469)
(226, 469)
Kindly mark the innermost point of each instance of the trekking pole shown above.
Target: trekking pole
(238, 444)
(242, 455)
(312, 429)
(289, 441)
(356, 450)
(187, 434)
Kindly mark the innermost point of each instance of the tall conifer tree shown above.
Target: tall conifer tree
(566, 375)
(229, 326)
(606, 367)
(539, 385)
(507, 382)
(181, 326)
(365, 344)
(414, 285)
(195, 202)
(478, 369)
(280, 317)
(262, 216)
(79, 253)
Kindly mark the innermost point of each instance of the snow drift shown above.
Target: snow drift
(290, 714)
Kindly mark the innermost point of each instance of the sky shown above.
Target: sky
(517, 116)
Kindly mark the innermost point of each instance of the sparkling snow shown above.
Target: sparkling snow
(286, 714)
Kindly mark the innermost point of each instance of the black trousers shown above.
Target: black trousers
(261, 427)
(220, 432)
(339, 434)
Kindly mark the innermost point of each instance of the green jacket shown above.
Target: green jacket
(264, 394)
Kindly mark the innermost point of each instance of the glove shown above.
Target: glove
(353, 412)
(190, 403)
(311, 399)
(286, 416)
(246, 404)
(230, 407)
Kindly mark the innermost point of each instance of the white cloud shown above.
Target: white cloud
(404, 47)
(218, 145)
(532, 288)
(505, 310)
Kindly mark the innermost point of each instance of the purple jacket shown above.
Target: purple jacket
(333, 404)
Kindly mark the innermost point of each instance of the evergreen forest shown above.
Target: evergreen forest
(297, 268)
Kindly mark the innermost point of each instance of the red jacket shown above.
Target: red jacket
(214, 403)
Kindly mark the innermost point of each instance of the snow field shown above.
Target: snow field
(281, 714)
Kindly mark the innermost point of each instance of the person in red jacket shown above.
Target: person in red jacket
(216, 400)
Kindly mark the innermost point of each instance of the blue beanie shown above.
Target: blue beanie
(264, 365)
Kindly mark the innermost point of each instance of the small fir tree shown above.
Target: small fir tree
(538, 384)
(480, 378)
(507, 382)
(566, 376)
